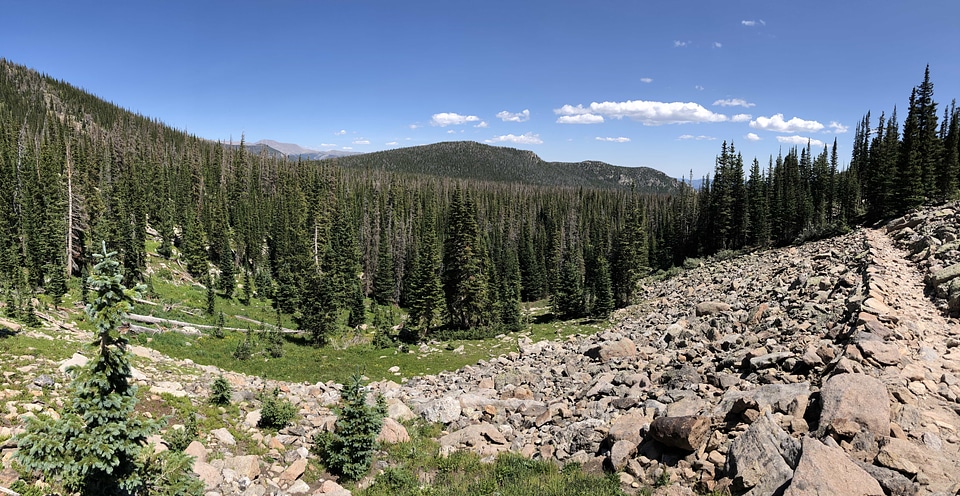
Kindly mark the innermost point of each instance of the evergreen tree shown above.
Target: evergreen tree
(384, 280)
(426, 299)
(348, 450)
(630, 257)
(94, 447)
(509, 312)
(464, 262)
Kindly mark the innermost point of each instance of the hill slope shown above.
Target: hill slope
(472, 160)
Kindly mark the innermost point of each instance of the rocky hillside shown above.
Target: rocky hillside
(829, 368)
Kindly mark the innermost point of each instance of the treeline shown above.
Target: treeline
(320, 240)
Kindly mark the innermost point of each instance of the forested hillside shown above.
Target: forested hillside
(457, 233)
(472, 160)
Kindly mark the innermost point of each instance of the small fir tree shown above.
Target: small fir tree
(95, 446)
(221, 391)
(348, 450)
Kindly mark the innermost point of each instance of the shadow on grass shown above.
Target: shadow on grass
(7, 333)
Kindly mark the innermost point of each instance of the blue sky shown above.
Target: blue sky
(658, 84)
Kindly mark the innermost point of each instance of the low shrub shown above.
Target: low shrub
(275, 412)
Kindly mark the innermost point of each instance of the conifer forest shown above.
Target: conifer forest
(323, 240)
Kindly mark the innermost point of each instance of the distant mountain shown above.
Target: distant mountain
(472, 160)
(294, 151)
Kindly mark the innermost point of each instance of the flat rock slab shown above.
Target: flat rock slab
(859, 398)
(826, 470)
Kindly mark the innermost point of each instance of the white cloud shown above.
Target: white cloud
(415, 126)
(741, 118)
(698, 87)
(451, 131)
(391, 143)
(522, 116)
(523, 139)
(799, 140)
(794, 125)
(752, 137)
(580, 119)
(749, 23)
(838, 128)
(646, 80)
(734, 102)
(482, 124)
(445, 119)
(347, 148)
(328, 145)
(680, 44)
(697, 138)
(621, 139)
(717, 44)
(361, 142)
(340, 132)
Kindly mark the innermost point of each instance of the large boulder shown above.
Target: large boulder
(856, 397)
(687, 433)
(826, 470)
(761, 461)
(443, 410)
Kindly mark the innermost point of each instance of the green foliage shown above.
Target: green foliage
(95, 446)
(348, 451)
(169, 473)
(275, 412)
(179, 439)
(221, 391)
(218, 328)
(244, 349)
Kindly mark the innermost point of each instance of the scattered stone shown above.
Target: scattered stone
(763, 458)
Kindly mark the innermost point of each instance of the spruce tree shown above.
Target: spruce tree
(425, 299)
(465, 281)
(93, 448)
(384, 280)
(318, 313)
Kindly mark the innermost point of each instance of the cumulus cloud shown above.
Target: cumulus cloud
(445, 119)
(717, 44)
(649, 113)
(414, 126)
(347, 148)
(621, 139)
(838, 128)
(523, 139)
(646, 80)
(391, 143)
(752, 137)
(697, 138)
(482, 124)
(328, 145)
(580, 119)
(799, 140)
(794, 125)
(752, 23)
(522, 116)
(734, 102)
(680, 44)
(698, 87)
(741, 118)
(340, 132)
(361, 142)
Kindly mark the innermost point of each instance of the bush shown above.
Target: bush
(244, 348)
(348, 450)
(221, 391)
(179, 439)
(276, 412)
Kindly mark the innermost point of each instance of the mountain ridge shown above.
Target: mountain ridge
(478, 161)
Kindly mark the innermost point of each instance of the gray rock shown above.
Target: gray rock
(762, 460)
(893, 483)
(443, 410)
(711, 308)
(224, 436)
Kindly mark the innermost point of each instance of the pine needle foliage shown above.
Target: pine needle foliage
(348, 451)
(97, 445)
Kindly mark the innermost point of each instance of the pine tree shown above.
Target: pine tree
(464, 262)
(509, 312)
(94, 447)
(348, 450)
(318, 312)
(384, 280)
(630, 257)
(426, 301)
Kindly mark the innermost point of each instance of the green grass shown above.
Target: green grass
(463, 473)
